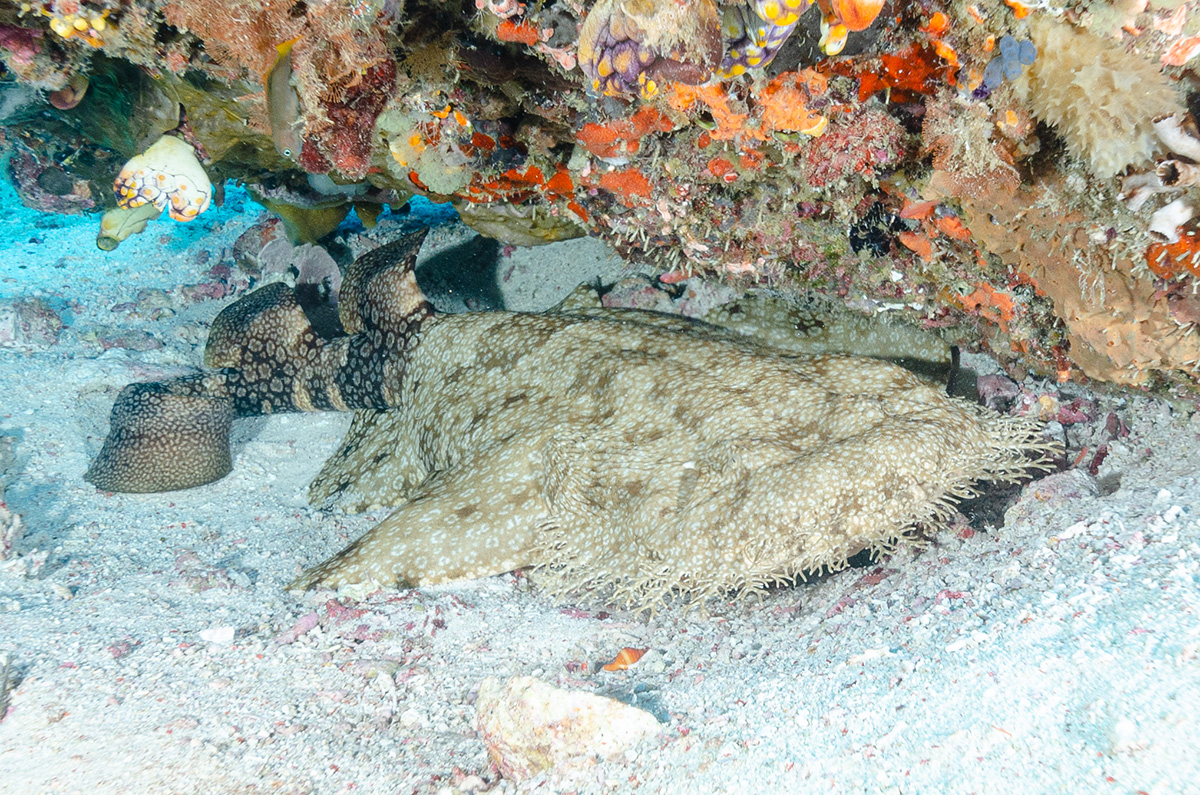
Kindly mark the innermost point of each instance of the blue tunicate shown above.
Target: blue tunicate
(1008, 65)
(1027, 52)
(993, 75)
(1009, 48)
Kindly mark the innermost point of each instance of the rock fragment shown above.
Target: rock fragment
(529, 726)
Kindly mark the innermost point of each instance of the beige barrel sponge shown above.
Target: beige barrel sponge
(1100, 98)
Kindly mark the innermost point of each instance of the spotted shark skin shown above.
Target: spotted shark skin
(630, 454)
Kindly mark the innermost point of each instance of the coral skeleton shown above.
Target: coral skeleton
(698, 137)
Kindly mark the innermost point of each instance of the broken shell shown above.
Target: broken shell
(625, 658)
(167, 175)
(71, 94)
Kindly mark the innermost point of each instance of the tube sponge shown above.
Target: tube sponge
(1101, 99)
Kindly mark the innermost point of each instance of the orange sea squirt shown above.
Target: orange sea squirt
(783, 103)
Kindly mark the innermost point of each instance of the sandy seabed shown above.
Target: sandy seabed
(152, 647)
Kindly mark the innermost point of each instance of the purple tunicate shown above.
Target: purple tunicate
(1027, 52)
(1012, 69)
(633, 65)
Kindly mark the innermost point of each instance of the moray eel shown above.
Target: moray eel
(626, 451)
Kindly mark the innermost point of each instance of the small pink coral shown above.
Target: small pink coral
(501, 8)
(347, 143)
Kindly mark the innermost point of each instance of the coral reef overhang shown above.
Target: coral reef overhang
(988, 170)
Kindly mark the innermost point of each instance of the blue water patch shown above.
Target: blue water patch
(41, 251)
(420, 212)
(431, 214)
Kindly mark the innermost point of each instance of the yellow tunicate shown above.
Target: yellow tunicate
(623, 61)
(80, 24)
(769, 10)
(98, 24)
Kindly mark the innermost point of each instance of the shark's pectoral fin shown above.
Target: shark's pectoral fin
(475, 520)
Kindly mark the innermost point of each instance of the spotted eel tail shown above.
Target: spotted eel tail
(175, 434)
